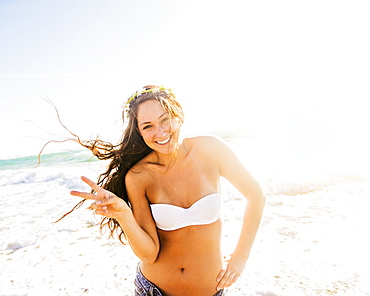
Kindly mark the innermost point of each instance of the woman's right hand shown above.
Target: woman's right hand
(106, 203)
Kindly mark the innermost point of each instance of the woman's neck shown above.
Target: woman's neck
(167, 160)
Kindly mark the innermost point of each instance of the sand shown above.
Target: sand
(312, 243)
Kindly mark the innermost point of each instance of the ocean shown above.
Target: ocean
(314, 236)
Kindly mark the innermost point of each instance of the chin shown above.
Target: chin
(169, 148)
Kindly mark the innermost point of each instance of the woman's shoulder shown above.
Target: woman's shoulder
(204, 141)
(207, 144)
(138, 172)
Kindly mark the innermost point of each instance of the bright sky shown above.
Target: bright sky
(233, 64)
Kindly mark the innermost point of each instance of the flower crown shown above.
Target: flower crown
(145, 90)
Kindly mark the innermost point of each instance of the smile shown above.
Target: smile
(164, 142)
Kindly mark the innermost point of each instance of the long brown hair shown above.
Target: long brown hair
(129, 150)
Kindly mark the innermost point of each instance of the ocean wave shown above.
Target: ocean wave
(273, 184)
(27, 176)
(49, 159)
(275, 179)
(298, 185)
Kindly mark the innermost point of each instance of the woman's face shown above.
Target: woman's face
(158, 128)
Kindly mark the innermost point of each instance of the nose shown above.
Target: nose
(161, 132)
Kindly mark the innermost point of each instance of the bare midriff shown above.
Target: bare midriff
(187, 266)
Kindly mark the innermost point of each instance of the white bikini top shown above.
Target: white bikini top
(204, 211)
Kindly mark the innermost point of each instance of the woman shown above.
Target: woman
(163, 194)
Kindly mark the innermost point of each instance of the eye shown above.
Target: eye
(165, 119)
(147, 127)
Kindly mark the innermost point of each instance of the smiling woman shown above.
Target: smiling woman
(162, 194)
(159, 133)
(158, 120)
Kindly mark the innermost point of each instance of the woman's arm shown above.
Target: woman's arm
(143, 238)
(231, 169)
(139, 229)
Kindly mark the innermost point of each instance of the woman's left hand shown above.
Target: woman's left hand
(233, 267)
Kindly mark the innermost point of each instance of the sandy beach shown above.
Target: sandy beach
(314, 243)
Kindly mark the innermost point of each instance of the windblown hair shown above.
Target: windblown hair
(128, 151)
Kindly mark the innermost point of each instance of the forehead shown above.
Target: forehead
(149, 110)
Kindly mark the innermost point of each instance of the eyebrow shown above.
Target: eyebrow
(146, 122)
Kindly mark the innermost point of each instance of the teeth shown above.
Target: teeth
(164, 142)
